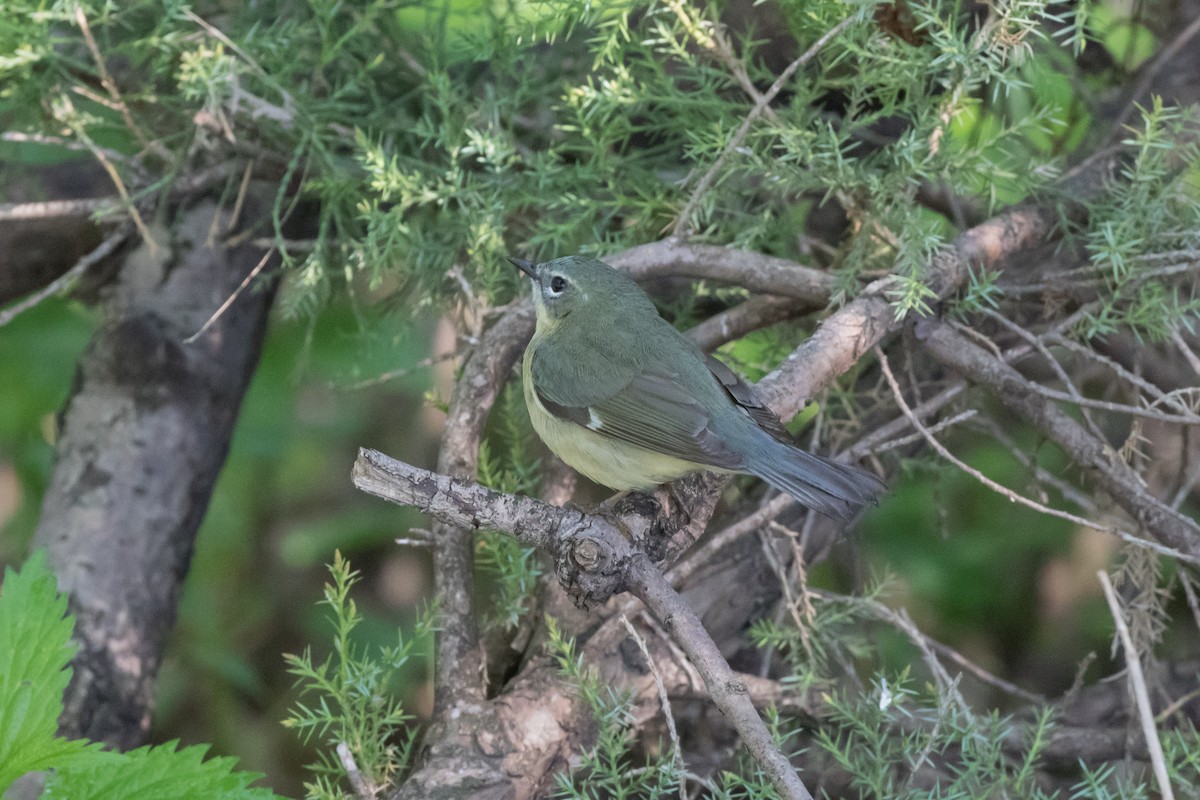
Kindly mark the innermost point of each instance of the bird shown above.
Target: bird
(621, 396)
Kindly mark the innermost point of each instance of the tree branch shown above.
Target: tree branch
(594, 558)
(460, 673)
(144, 436)
(1011, 388)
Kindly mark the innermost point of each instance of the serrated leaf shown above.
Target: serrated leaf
(35, 649)
(159, 773)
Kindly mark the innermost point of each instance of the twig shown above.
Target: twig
(1190, 592)
(1137, 684)
(683, 223)
(950, 422)
(1169, 527)
(216, 315)
(393, 374)
(362, 787)
(901, 621)
(982, 674)
(101, 155)
(104, 249)
(1035, 341)
(1178, 340)
(726, 688)
(1133, 378)
(48, 209)
(974, 473)
(110, 86)
(1151, 72)
(664, 702)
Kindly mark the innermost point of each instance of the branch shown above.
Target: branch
(761, 274)
(1011, 388)
(144, 436)
(594, 558)
(99, 253)
(460, 672)
(758, 312)
(1137, 684)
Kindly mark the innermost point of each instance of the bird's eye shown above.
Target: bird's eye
(557, 284)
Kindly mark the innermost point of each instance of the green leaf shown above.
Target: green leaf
(35, 649)
(161, 772)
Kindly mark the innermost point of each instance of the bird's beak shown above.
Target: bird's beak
(525, 266)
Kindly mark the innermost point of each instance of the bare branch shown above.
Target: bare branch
(46, 209)
(663, 700)
(757, 312)
(1137, 685)
(968, 359)
(759, 273)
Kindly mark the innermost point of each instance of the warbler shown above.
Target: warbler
(620, 395)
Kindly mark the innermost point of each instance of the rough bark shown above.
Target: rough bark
(143, 438)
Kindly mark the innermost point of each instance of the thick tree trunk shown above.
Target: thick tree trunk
(143, 438)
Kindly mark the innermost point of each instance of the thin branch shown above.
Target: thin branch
(110, 86)
(216, 315)
(1152, 71)
(115, 176)
(1172, 529)
(728, 692)
(1137, 685)
(664, 702)
(50, 209)
(362, 787)
(1034, 341)
(1133, 378)
(103, 250)
(1179, 342)
(1016, 497)
(718, 45)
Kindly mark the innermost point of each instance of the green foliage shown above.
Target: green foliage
(349, 698)
(883, 739)
(163, 771)
(464, 142)
(437, 137)
(1146, 230)
(35, 649)
(608, 769)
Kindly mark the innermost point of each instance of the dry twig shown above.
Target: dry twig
(1137, 685)
(103, 250)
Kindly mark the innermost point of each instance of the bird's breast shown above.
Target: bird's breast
(605, 460)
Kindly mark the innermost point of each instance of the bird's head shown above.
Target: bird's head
(572, 284)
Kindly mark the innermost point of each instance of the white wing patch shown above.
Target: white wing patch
(594, 421)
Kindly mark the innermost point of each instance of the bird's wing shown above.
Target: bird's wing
(747, 399)
(647, 406)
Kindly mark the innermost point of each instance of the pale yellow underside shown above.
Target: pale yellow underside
(609, 462)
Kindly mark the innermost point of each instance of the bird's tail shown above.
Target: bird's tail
(831, 488)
